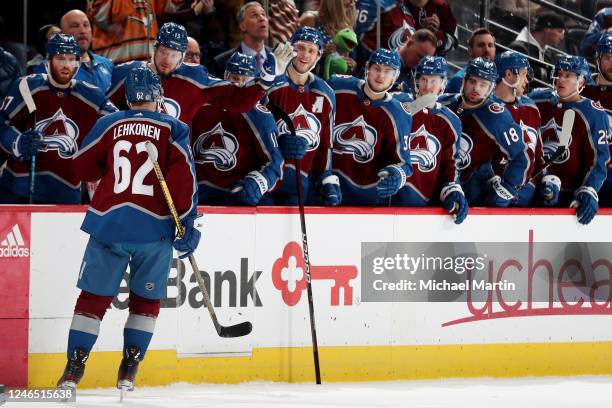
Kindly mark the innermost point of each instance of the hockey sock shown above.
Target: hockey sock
(88, 313)
(140, 324)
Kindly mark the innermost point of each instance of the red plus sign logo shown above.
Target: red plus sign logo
(289, 276)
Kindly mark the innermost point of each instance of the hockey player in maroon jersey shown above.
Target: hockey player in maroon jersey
(371, 153)
(311, 105)
(188, 87)
(583, 166)
(513, 71)
(487, 130)
(434, 144)
(129, 223)
(601, 91)
(65, 110)
(236, 154)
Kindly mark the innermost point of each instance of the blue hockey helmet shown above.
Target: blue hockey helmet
(143, 85)
(604, 45)
(431, 65)
(572, 63)
(482, 68)
(241, 64)
(308, 34)
(513, 61)
(62, 43)
(384, 56)
(173, 36)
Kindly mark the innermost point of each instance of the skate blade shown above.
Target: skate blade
(124, 387)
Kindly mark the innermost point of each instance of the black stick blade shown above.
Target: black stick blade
(237, 330)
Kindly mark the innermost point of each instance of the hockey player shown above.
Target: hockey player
(513, 72)
(370, 146)
(65, 110)
(189, 86)
(434, 144)
(129, 223)
(582, 168)
(601, 91)
(311, 105)
(236, 154)
(487, 129)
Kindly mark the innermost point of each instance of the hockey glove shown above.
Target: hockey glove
(27, 144)
(188, 243)
(250, 189)
(276, 63)
(586, 204)
(501, 194)
(330, 189)
(549, 191)
(392, 178)
(453, 201)
(292, 147)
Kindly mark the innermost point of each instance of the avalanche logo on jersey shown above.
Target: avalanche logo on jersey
(551, 133)
(171, 107)
(60, 133)
(399, 37)
(356, 138)
(532, 136)
(306, 125)
(424, 149)
(465, 149)
(217, 146)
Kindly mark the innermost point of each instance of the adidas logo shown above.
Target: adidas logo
(13, 246)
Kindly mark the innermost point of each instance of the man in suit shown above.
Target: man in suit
(254, 27)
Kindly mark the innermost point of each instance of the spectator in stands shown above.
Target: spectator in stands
(44, 33)
(602, 23)
(548, 31)
(192, 54)
(436, 16)
(480, 44)
(94, 68)
(253, 24)
(283, 16)
(204, 22)
(332, 17)
(125, 30)
(419, 45)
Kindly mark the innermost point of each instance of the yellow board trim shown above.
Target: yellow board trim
(371, 363)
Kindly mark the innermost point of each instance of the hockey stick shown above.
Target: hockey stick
(237, 330)
(280, 113)
(420, 103)
(564, 139)
(24, 90)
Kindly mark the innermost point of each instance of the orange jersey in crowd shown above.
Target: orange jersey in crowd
(124, 30)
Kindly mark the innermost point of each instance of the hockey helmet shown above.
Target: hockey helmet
(384, 56)
(241, 64)
(482, 68)
(572, 63)
(431, 65)
(173, 36)
(143, 85)
(62, 43)
(308, 34)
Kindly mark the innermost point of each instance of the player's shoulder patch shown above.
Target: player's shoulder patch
(261, 108)
(496, 108)
(597, 105)
(405, 107)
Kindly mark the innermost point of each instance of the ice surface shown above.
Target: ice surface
(557, 392)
